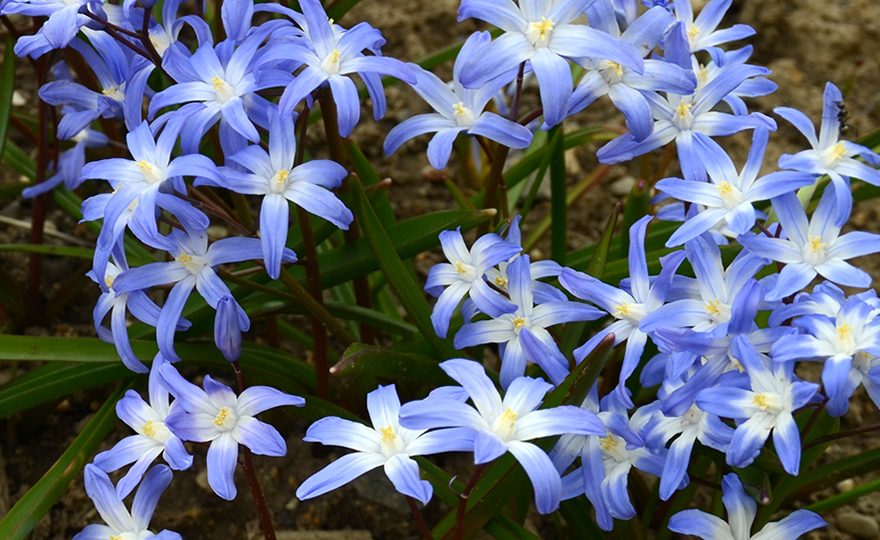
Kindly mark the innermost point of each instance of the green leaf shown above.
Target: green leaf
(365, 359)
(7, 88)
(80, 363)
(63, 251)
(558, 206)
(408, 292)
(637, 205)
(577, 513)
(505, 478)
(843, 498)
(28, 511)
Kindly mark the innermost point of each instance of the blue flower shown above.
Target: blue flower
(829, 155)
(624, 85)
(123, 79)
(729, 196)
(767, 407)
(65, 20)
(193, 267)
(628, 309)
(836, 340)
(119, 522)
(702, 32)
(218, 416)
(387, 444)
(543, 34)
(110, 301)
(273, 175)
(222, 79)
(523, 334)
(741, 512)
(458, 110)
(608, 458)
(812, 247)
(137, 182)
(329, 58)
(153, 436)
(465, 274)
(505, 425)
(691, 122)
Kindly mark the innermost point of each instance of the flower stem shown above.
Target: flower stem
(462, 501)
(420, 520)
(251, 474)
(313, 277)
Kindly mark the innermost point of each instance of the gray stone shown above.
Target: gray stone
(858, 525)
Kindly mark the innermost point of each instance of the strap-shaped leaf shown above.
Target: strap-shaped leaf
(408, 292)
(7, 88)
(361, 358)
(28, 511)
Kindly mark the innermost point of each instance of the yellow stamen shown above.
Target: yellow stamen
(839, 151)
(607, 443)
(844, 331)
(115, 538)
(111, 92)
(761, 401)
(331, 21)
(683, 108)
(388, 435)
(544, 28)
(183, 259)
(816, 242)
(724, 188)
(714, 307)
(148, 429)
(616, 67)
(334, 56)
(692, 33)
(622, 310)
(460, 267)
(501, 281)
(282, 175)
(459, 108)
(518, 323)
(108, 280)
(739, 367)
(221, 416)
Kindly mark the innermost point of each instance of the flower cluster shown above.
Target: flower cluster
(720, 342)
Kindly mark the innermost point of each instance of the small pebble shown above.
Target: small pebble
(623, 186)
(845, 485)
(858, 525)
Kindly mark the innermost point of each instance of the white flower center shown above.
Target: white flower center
(463, 116)
(831, 155)
(331, 63)
(226, 419)
(157, 431)
(193, 263)
(468, 272)
(683, 118)
(632, 313)
(114, 92)
(279, 182)
(152, 174)
(539, 33)
(391, 442)
(814, 251)
(717, 311)
(223, 89)
(505, 425)
(770, 403)
(730, 195)
(612, 72)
